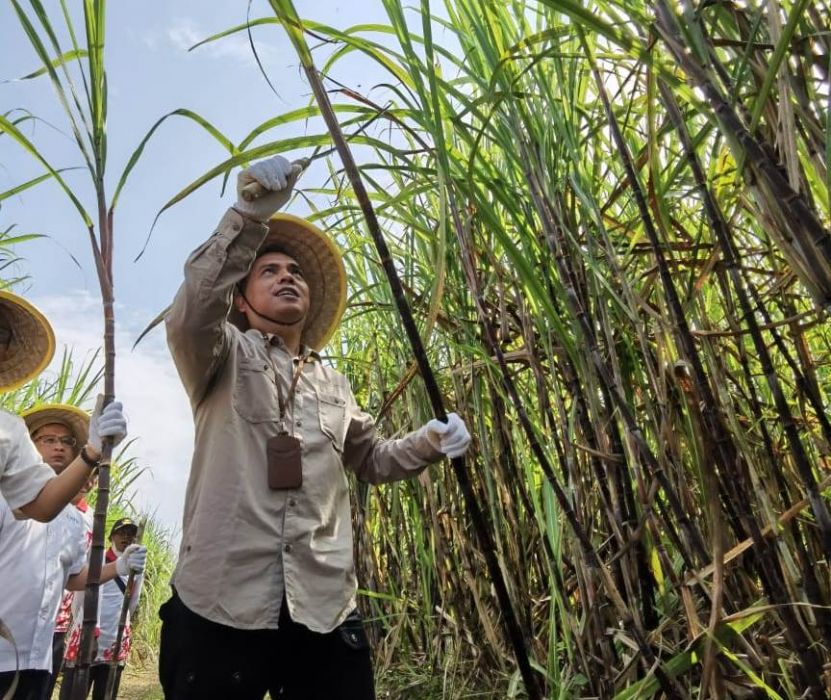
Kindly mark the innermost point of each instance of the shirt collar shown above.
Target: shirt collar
(277, 342)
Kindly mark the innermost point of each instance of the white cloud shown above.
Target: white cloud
(184, 32)
(146, 382)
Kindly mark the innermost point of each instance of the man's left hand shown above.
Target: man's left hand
(451, 438)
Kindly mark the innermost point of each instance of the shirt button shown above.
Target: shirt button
(287, 548)
(299, 423)
(292, 502)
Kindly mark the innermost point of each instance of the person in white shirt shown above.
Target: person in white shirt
(57, 430)
(37, 562)
(27, 484)
(108, 659)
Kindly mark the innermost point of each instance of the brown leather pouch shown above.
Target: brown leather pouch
(285, 467)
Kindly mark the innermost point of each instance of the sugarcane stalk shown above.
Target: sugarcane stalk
(723, 446)
(288, 16)
(797, 215)
(719, 226)
(103, 262)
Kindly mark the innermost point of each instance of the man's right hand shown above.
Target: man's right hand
(108, 422)
(133, 558)
(265, 187)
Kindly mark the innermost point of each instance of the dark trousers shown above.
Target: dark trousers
(31, 685)
(202, 659)
(97, 681)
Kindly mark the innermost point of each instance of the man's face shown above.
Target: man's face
(123, 538)
(56, 445)
(275, 288)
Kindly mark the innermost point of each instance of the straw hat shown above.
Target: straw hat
(74, 418)
(32, 344)
(323, 271)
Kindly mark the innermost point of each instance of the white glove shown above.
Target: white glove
(451, 438)
(131, 559)
(109, 423)
(275, 177)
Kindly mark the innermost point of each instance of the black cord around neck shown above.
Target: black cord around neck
(268, 318)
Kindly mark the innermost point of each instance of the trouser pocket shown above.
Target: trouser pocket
(352, 632)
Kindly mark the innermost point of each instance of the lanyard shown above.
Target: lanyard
(283, 401)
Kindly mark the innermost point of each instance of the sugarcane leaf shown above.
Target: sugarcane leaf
(233, 30)
(137, 153)
(31, 183)
(67, 57)
(9, 128)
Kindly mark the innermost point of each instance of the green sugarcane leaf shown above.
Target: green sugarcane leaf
(9, 128)
(67, 57)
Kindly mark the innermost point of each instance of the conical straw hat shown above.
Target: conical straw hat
(32, 342)
(323, 271)
(74, 418)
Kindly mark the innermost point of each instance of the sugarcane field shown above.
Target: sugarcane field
(412, 350)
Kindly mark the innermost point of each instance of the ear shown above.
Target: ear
(239, 302)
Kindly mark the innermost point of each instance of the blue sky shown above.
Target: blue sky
(150, 73)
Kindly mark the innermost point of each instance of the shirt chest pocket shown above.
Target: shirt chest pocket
(331, 409)
(255, 396)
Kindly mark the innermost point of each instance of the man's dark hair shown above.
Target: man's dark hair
(272, 248)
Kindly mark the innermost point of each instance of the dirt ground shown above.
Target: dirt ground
(140, 684)
(137, 683)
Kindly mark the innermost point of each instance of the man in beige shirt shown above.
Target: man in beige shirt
(264, 590)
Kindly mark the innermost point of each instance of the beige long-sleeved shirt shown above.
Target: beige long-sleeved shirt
(244, 545)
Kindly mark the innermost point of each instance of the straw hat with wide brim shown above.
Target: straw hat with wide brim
(74, 418)
(32, 343)
(323, 271)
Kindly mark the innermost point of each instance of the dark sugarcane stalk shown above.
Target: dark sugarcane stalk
(630, 621)
(796, 213)
(810, 667)
(612, 392)
(285, 11)
(808, 387)
(771, 575)
(719, 226)
(618, 468)
(731, 264)
(103, 264)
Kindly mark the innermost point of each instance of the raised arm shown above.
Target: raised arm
(197, 331)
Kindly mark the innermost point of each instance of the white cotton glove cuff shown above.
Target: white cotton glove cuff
(109, 423)
(132, 559)
(276, 176)
(451, 438)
